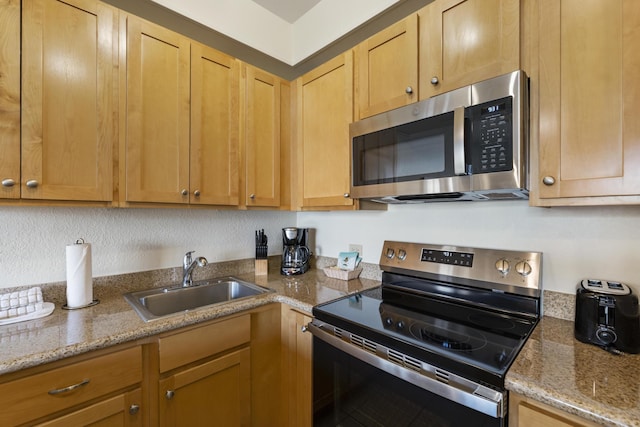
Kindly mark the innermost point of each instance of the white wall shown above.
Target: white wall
(255, 26)
(126, 240)
(577, 242)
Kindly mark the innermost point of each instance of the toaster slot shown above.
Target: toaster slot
(606, 311)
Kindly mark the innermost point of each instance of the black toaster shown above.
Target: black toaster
(607, 315)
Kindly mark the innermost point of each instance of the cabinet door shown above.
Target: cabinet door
(214, 127)
(10, 99)
(589, 100)
(297, 363)
(387, 73)
(157, 135)
(68, 99)
(217, 392)
(120, 411)
(262, 137)
(324, 113)
(465, 41)
(59, 389)
(526, 412)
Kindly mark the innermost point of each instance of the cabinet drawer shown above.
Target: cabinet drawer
(195, 344)
(51, 391)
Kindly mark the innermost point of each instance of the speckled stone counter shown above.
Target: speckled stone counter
(552, 368)
(70, 332)
(582, 379)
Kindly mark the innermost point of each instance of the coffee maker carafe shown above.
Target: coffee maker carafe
(295, 253)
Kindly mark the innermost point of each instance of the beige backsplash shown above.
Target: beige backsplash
(555, 304)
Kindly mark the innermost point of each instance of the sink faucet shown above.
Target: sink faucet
(188, 265)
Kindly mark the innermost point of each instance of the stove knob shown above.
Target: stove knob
(502, 265)
(402, 254)
(390, 253)
(400, 325)
(523, 268)
(388, 321)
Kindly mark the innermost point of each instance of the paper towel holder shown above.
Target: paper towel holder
(92, 303)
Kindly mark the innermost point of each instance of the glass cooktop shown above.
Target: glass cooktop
(474, 342)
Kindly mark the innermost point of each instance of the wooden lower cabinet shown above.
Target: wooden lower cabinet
(248, 369)
(225, 373)
(205, 374)
(121, 410)
(216, 392)
(526, 412)
(102, 388)
(298, 368)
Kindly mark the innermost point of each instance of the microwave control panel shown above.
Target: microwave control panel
(492, 136)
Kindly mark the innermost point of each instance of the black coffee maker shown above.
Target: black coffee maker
(295, 252)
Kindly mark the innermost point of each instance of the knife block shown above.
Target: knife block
(262, 267)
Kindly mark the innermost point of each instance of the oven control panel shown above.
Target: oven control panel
(501, 270)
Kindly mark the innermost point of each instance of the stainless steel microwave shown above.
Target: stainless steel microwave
(467, 144)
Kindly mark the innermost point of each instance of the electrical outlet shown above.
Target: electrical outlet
(355, 248)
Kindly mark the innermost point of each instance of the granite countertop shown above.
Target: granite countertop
(553, 367)
(70, 332)
(582, 379)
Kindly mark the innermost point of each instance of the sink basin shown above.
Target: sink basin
(157, 303)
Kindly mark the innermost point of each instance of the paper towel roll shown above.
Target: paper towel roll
(79, 275)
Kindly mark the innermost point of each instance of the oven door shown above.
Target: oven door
(353, 386)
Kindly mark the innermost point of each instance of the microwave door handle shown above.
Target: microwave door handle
(458, 142)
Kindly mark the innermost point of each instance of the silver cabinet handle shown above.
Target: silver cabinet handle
(134, 409)
(184, 192)
(69, 388)
(346, 195)
(409, 90)
(252, 196)
(196, 193)
(8, 182)
(32, 183)
(304, 328)
(548, 180)
(434, 80)
(169, 394)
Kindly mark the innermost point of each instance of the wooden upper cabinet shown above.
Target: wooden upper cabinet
(466, 41)
(10, 99)
(69, 102)
(589, 96)
(261, 128)
(157, 119)
(324, 111)
(387, 68)
(215, 122)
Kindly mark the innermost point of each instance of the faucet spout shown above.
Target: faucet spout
(188, 265)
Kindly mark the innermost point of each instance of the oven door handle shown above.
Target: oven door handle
(460, 390)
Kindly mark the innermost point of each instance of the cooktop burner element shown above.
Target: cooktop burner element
(464, 310)
(447, 339)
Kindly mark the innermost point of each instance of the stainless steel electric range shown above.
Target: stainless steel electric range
(432, 345)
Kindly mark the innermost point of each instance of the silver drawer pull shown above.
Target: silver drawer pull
(8, 182)
(32, 183)
(69, 388)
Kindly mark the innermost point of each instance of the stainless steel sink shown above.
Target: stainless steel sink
(157, 303)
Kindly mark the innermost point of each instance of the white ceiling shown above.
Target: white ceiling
(287, 30)
(289, 10)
